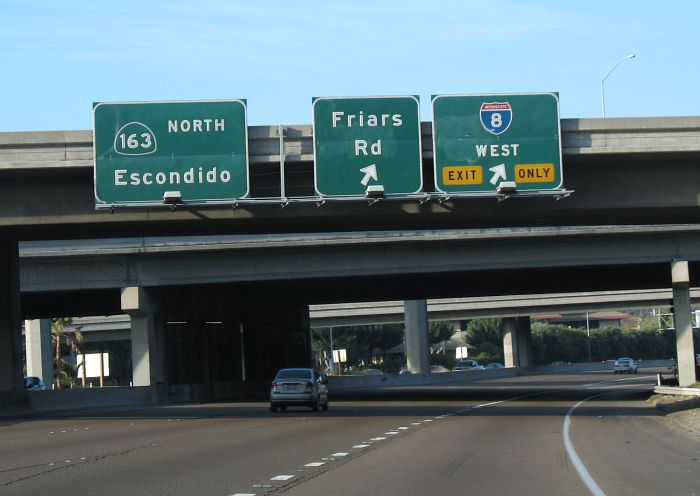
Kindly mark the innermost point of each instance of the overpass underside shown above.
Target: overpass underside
(217, 343)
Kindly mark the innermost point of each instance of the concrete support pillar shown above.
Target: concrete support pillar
(147, 366)
(680, 278)
(10, 323)
(416, 323)
(37, 334)
(524, 336)
(510, 345)
(517, 342)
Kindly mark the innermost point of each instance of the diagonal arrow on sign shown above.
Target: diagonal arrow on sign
(499, 172)
(370, 173)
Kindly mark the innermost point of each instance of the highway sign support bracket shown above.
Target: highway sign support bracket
(321, 200)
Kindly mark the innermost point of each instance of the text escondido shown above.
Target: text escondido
(199, 175)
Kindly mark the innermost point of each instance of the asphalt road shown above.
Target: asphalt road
(569, 434)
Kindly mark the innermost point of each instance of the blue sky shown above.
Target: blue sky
(57, 57)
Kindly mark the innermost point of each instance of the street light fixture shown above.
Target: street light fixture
(602, 81)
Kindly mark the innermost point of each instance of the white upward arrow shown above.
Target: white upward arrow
(499, 171)
(370, 173)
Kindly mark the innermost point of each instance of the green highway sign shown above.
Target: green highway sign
(483, 141)
(196, 151)
(361, 142)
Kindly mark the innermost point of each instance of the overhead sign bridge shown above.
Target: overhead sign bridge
(196, 153)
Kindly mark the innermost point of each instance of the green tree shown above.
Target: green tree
(557, 342)
(439, 331)
(361, 342)
(485, 336)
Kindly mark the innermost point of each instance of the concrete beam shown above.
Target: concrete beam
(51, 149)
(10, 323)
(683, 323)
(417, 357)
(135, 301)
(260, 258)
(391, 312)
(524, 338)
(147, 363)
(40, 361)
(510, 342)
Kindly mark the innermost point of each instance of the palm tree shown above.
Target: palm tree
(65, 373)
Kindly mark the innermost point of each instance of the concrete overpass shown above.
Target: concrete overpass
(634, 212)
(611, 164)
(455, 309)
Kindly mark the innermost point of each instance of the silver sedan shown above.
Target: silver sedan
(298, 387)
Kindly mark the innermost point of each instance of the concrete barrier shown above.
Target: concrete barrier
(350, 383)
(677, 391)
(14, 403)
(357, 382)
(88, 398)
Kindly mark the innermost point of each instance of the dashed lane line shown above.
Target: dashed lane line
(282, 477)
(361, 446)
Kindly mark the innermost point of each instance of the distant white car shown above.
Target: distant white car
(368, 372)
(467, 365)
(438, 369)
(623, 365)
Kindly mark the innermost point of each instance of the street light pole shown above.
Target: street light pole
(602, 81)
(588, 332)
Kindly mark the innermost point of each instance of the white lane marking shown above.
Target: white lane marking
(391, 433)
(612, 381)
(403, 428)
(492, 403)
(618, 386)
(281, 477)
(360, 446)
(315, 464)
(428, 420)
(415, 423)
(243, 494)
(378, 439)
(591, 484)
(340, 454)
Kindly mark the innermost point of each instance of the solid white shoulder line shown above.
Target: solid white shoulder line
(593, 487)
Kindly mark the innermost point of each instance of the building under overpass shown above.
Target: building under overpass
(257, 266)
